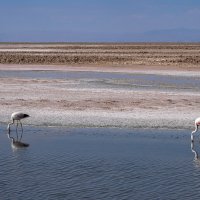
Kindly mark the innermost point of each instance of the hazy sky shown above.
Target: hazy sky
(99, 20)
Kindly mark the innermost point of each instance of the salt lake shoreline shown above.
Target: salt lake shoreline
(48, 104)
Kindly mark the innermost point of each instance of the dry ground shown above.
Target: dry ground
(67, 103)
(162, 54)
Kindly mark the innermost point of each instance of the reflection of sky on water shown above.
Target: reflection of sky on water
(82, 163)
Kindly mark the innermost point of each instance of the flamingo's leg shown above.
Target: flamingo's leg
(17, 130)
(22, 130)
(8, 127)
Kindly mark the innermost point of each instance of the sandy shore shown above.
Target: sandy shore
(92, 103)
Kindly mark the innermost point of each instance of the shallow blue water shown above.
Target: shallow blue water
(135, 80)
(103, 163)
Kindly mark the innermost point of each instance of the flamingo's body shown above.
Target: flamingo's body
(197, 123)
(17, 116)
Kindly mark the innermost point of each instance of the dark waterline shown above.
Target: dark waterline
(100, 164)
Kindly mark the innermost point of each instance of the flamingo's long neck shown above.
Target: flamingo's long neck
(196, 129)
(8, 127)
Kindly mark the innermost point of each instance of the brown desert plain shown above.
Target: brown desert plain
(94, 102)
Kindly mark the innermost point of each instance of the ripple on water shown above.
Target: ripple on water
(100, 164)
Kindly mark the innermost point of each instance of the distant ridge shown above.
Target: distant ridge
(163, 35)
(169, 35)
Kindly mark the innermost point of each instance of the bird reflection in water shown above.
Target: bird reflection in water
(15, 143)
(196, 155)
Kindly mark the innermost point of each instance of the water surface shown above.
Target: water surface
(99, 163)
(111, 79)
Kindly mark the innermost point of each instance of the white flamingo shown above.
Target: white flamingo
(17, 116)
(197, 123)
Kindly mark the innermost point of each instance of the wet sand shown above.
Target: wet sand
(99, 102)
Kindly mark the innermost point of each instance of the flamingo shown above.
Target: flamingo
(17, 116)
(197, 123)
